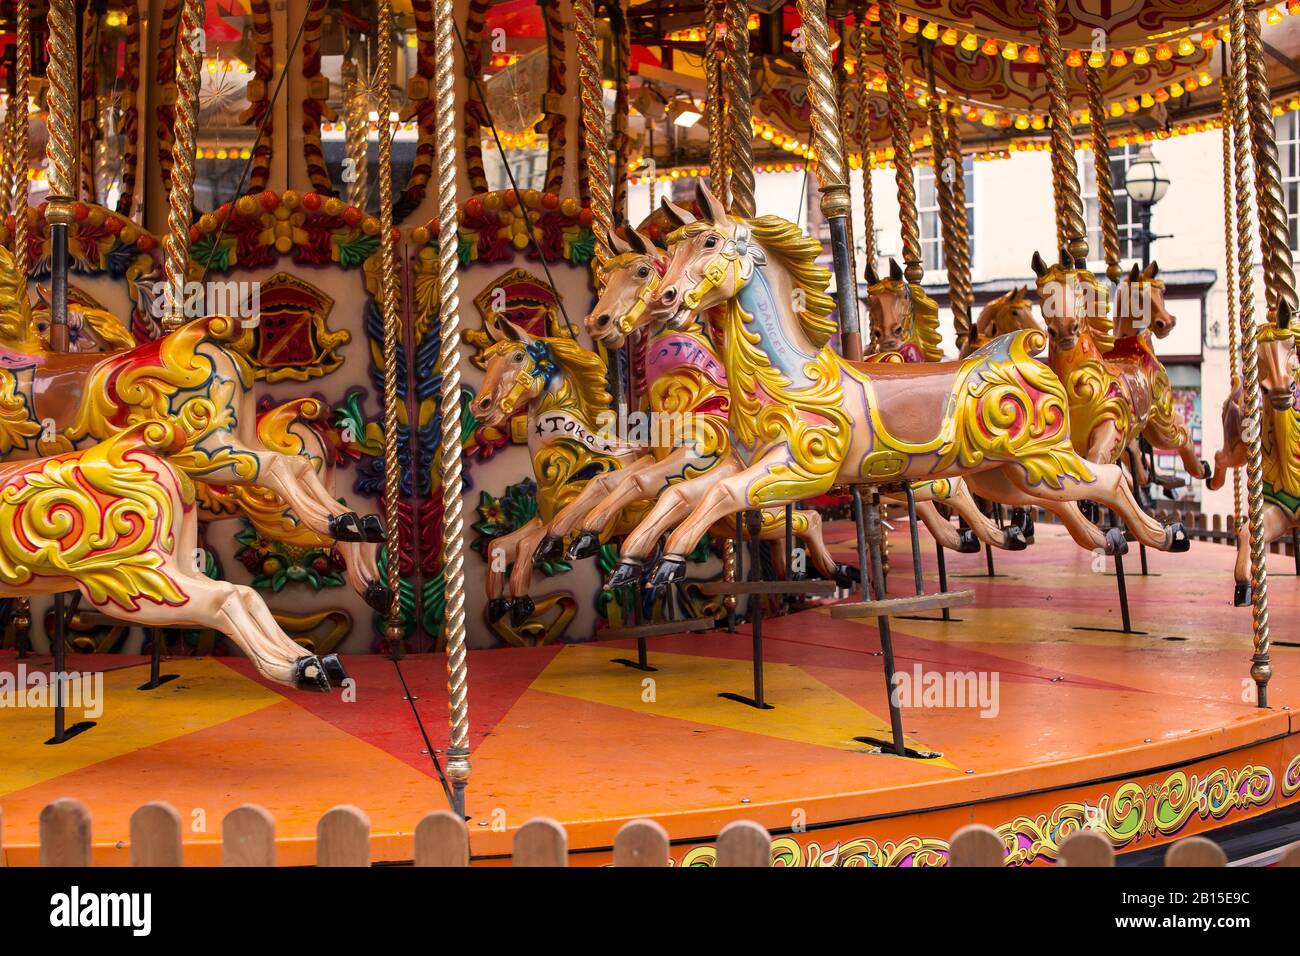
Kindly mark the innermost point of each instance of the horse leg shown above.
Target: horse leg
(1112, 489)
(960, 500)
(845, 575)
(997, 486)
(502, 552)
(1232, 455)
(673, 505)
(1276, 523)
(1105, 442)
(640, 486)
(571, 515)
(521, 576)
(363, 574)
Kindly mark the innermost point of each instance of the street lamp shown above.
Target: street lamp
(1146, 185)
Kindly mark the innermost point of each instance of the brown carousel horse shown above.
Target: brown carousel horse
(1009, 312)
(904, 324)
(803, 420)
(58, 401)
(1280, 437)
(1115, 395)
(117, 521)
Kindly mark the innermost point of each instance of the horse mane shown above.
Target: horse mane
(586, 370)
(1100, 324)
(16, 328)
(798, 254)
(921, 327)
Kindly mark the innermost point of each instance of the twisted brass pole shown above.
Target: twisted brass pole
(453, 519)
(961, 305)
(845, 119)
(1073, 224)
(940, 157)
(22, 141)
(1101, 167)
(595, 141)
(180, 197)
(390, 306)
(740, 129)
(832, 171)
(356, 118)
(862, 134)
(1261, 668)
(901, 133)
(715, 105)
(60, 152)
(1230, 272)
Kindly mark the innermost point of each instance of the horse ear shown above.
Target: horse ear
(713, 208)
(676, 214)
(1039, 266)
(1135, 273)
(618, 243)
(872, 276)
(1153, 270)
(641, 244)
(895, 270)
(1283, 313)
(512, 332)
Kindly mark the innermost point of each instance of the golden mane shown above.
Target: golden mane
(798, 254)
(921, 324)
(584, 369)
(16, 327)
(1100, 323)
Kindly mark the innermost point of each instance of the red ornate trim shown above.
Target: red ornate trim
(315, 108)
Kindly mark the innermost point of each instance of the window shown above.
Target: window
(1288, 148)
(927, 204)
(1125, 210)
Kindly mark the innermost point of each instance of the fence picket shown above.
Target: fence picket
(976, 845)
(541, 842)
(1290, 856)
(744, 843)
(1087, 848)
(641, 843)
(343, 838)
(156, 835)
(441, 839)
(1196, 851)
(65, 833)
(248, 837)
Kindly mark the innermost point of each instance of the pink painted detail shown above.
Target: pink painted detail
(678, 350)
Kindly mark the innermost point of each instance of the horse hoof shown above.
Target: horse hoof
(345, 527)
(967, 543)
(334, 669)
(667, 570)
(1013, 539)
(521, 610)
(551, 549)
(1241, 594)
(372, 530)
(1176, 540)
(497, 608)
(309, 674)
(847, 576)
(587, 544)
(1206, 471)
(1116, 543)
(379, 597)
(1023, 519)
(627, 572)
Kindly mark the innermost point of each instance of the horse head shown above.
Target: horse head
(902, 317)
(1074, 303)
(631, 279)
(1140, 304)
(518, 370)
(710, 261)
(1278, 362)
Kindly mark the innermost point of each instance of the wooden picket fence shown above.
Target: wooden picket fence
(442, 839)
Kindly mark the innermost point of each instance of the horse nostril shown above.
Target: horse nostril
(602, 320)
(670, 296)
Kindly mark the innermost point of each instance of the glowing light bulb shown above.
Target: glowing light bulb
(1022, 122)
(1186, 47)
(990, 47)
(1164, 51)
(931, 31)
(911, 25)
(1118, 58)
(1096, 59)
(1074, 58)
(1274, 15)
(1176, 89)
(1141, 57)
(970, 42)
(1117, 109)
(1032, 54)
(950, 35)
(1011, 52)
(1147, 101)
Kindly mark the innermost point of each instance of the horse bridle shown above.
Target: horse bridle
(542, 369)
(739, 254)
(627, 323)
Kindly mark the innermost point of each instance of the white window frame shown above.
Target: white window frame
(932, 240)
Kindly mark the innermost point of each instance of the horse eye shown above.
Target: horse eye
(710, 242)
(642, 272)
(519, 356)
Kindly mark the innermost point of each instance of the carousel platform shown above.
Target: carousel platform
(1151, 736)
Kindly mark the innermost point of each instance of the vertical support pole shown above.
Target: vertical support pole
(19, 201)
(900, 131)
(882, 625)
(943, 577)
(789, 542)
(1072, 229)
(715, 104)
(595, 141)
(832, 172)
(453, 521)
(1101, 167)
(962, 304)
(1230, 272)
(754, 519)
(869, 579)
(862, 139)
(738, 79)
(180, 196)
(915, 533)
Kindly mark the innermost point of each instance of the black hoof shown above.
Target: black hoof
(372, 529)
(667, 570)
(378, 597)
(625, 574)
(309, 674)
(1176, 539)
(1206, 471)
(587, 544)
(334, 669)
(1241, 594)
(1023, 519)
(521, 610)
(346, 527)
(1013, 539)
(1116, 543)
(847, 576)
(497, 608)
(967, 543)
(551, 549)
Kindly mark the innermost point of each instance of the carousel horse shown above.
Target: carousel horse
(562, 388)
(1115, 395)
(904, 325)
(1009, 312)
(686, 383)
(1280, 436)
(803, 420)
(53, 401)
(117, 521)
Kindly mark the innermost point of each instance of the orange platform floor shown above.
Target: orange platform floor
(1147, 736)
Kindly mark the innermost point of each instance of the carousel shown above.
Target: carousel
(540, 409)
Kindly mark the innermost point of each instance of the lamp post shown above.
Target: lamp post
(1146, 185)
